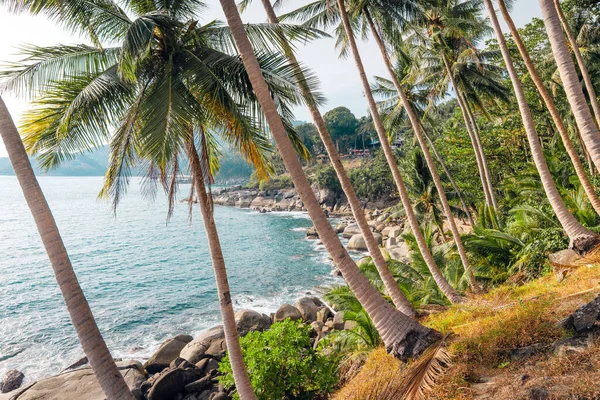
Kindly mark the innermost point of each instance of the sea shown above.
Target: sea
(146, 279)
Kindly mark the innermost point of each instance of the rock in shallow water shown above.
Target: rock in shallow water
(12, 380)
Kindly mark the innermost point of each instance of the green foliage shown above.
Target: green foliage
(325, 176)
(342, 126)
(283, 365)
(373, 181)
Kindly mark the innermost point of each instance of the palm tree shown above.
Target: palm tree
(392, 287)
(325, 15)
(556, 117)
(582, 239)
(169, 79)
(416, 126)
(394, 327)
(568, 75)
(108, 375)
(452, 27)
(587, 80)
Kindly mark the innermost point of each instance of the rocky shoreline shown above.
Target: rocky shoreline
(183, 367)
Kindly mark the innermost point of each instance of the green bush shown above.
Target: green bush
(326, 177)
(283, 365)
(374, 180)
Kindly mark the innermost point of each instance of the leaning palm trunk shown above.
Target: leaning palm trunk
(484, 163)
(416, 126)
(389, 282)
(234, 351)
(582, 239)
(444, 286)
(487, 189)
(587, 80)
(108, 375)
(556, 117)
(402, 336)
(450, 178)
(568, 75)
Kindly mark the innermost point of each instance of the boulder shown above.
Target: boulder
(217, 349)
(311, 233)
(219, 396)
(324, 314)
(199, 385)
(194, 350)
(208, 365)
(585, 319)
(80, 384)
(399, 252)
(339, 228)
(317, 326)
(392, 231)
(338, 321)
(349, 325)
(11, 380)
(357, 242)
(390, 242)
(249, 320)
(172, 382)
(563, 258)
(308, 309)
(350, 231)
(287, 311)
(166, 353)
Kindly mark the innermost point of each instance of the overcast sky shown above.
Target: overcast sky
(339, 80)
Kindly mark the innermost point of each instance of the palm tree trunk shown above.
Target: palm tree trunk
(391, 286)
(234, 351)
(582, 239)
(587, 80)
(484, 163)
(402, 336)
(450, 178)
(416, 126)
(108, 375)
(568, 75)
(556, 117)
(442, 283)
(478, 159)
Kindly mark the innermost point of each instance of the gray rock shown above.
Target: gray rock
(324, 314)
(80, 384)
(249, 320)
(390, 242)
(217, 349)
(392, 231)
(208, 365)
(220, 396)
(586, 318)
(317, 326)
(12, 380)
(538, 393)
(172, 382)
(357, 242)
(349, 325)
(194, 350)
(572, 345)
(199, 385)
(338, 321)
(308, 309)
(350, 231)
(166, 353)
(563, 258)
(287, 311)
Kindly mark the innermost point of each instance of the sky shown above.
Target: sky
(339, 80)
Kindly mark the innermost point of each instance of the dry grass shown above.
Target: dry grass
(487, 328)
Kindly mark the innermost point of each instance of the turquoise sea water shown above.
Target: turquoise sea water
(145, 280)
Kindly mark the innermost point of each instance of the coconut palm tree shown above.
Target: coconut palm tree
(582, 239)
(568, 75)
(392, 287)
(448, 31)
(587, 80)
(323, 14)
(556, 117)
(394, 327)
(111, 381)
(417, 129)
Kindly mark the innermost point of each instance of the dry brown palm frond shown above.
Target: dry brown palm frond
(425, 372)
(592, 257)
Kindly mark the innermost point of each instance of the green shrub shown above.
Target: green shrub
(283, 365)
(326, 177)
(374, 180)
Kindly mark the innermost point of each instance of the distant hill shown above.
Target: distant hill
(88, 164)
(233, 167)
